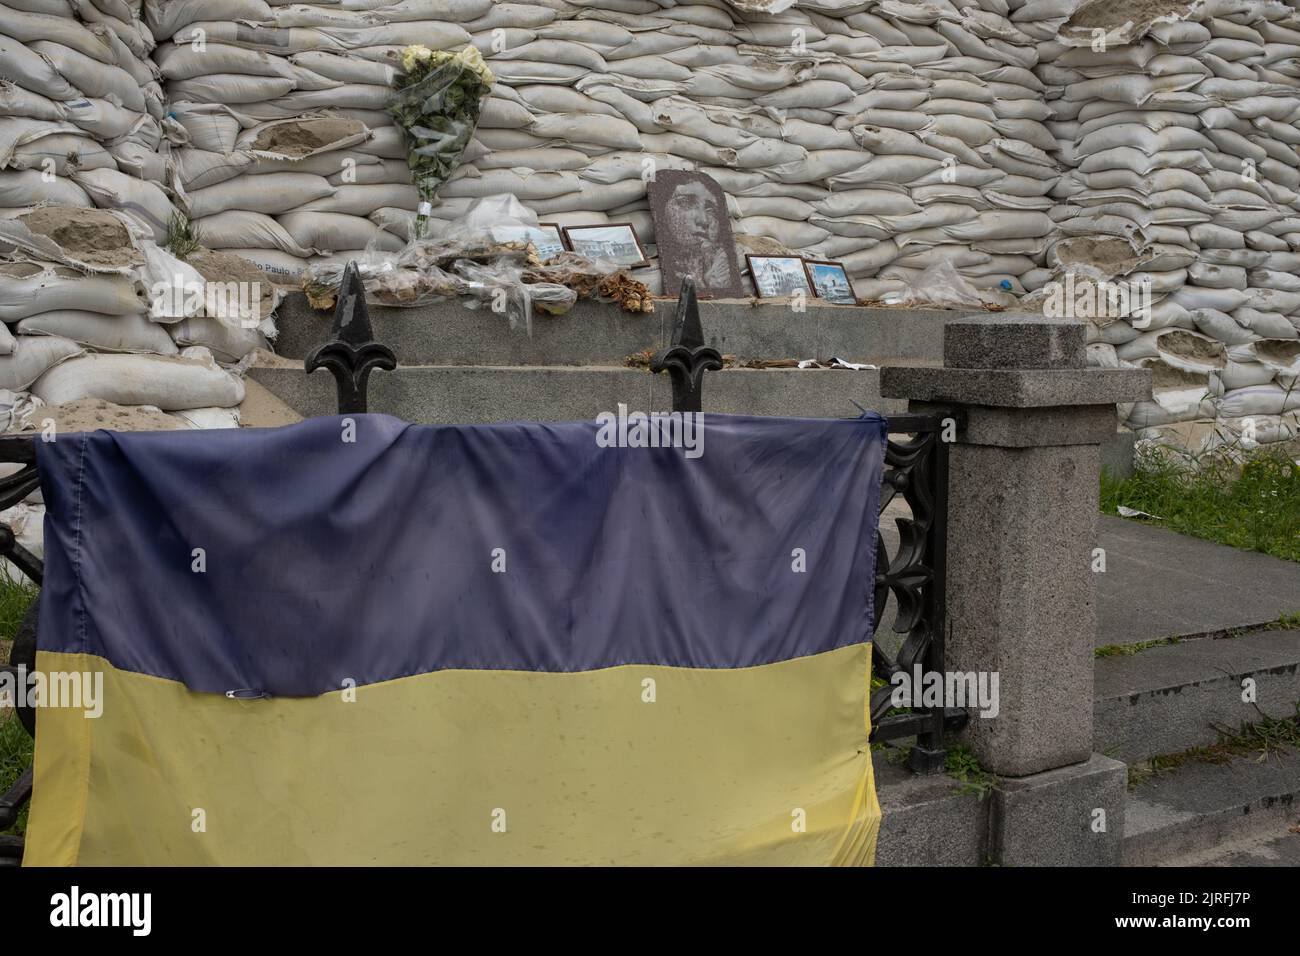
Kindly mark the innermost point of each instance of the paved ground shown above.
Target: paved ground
(1281, 848)
(1161, 584)
(1218, 812)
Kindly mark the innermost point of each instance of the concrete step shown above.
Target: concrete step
(1161, 584)
(1168, 699)
(1275, 845)
(451, 394)
(594, 333)
(600, 336)
(1205, 811)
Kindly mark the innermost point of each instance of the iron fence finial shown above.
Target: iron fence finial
(352, 353)
(687, 358)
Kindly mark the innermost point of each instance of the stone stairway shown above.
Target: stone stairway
(1176, 701)
(1166, 700)
(469, 366)
(1164, 711)
(1239, 812)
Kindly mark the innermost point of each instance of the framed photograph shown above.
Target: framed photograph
(615, 242)
(830, 281)
(546, 237)
(778, 276)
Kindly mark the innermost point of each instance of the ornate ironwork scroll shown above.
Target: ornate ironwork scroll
(916, 467)
(19, 450)
(352, 353)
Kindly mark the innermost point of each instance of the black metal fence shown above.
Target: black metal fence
(916, 468)
(21, 451)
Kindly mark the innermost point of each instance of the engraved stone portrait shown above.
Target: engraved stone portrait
(693, 234)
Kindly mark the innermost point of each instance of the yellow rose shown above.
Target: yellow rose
(471, 59)
(413, 54)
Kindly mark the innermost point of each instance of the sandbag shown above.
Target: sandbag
(227, 344)
(142, 201)
(31, 357)
(240, 229)
(29, 288)
(271, 194)
(131, 332)
(330, 232)
(167, 382)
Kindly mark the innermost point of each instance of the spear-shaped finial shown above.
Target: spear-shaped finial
(351, 353)
(688, 358)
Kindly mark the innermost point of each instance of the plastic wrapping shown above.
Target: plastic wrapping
(501, 284)
(941, 286)
(482, 259)
(437, 103)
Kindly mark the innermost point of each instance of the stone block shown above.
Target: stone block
(929, 821)
(600, 333)
(1014, 341)
(1056, 818)
(1022, 598)
(1029, 427)
(1017, 388)
(444, 394)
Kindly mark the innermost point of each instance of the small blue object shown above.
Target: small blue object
(1005, 285)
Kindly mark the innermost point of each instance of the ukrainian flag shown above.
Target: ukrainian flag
(359, 641)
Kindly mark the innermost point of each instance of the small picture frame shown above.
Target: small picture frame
(613, 242)
(830, 281)
(778, 276)
(545, 236)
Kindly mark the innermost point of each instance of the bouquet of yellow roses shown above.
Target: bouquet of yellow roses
(437, 102)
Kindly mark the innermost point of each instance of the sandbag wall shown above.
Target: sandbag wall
(884, 134)
(1180, 134)
(91, 338)
(85, 206)
(887, 139)
(81, 109)
(92, 308)
(257, 166)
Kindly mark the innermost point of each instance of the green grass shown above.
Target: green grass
(1128, 650)
(1265, 738)
(182, 240)
(1284, 622)
(963, 766)
(1254, 505)
(14, 600)
(15, 757)
(15, 745)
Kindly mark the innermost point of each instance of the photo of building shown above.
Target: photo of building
(776, 276)
(616, 243)
(831, 282)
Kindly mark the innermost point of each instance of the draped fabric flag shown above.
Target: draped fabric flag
(360, 641)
